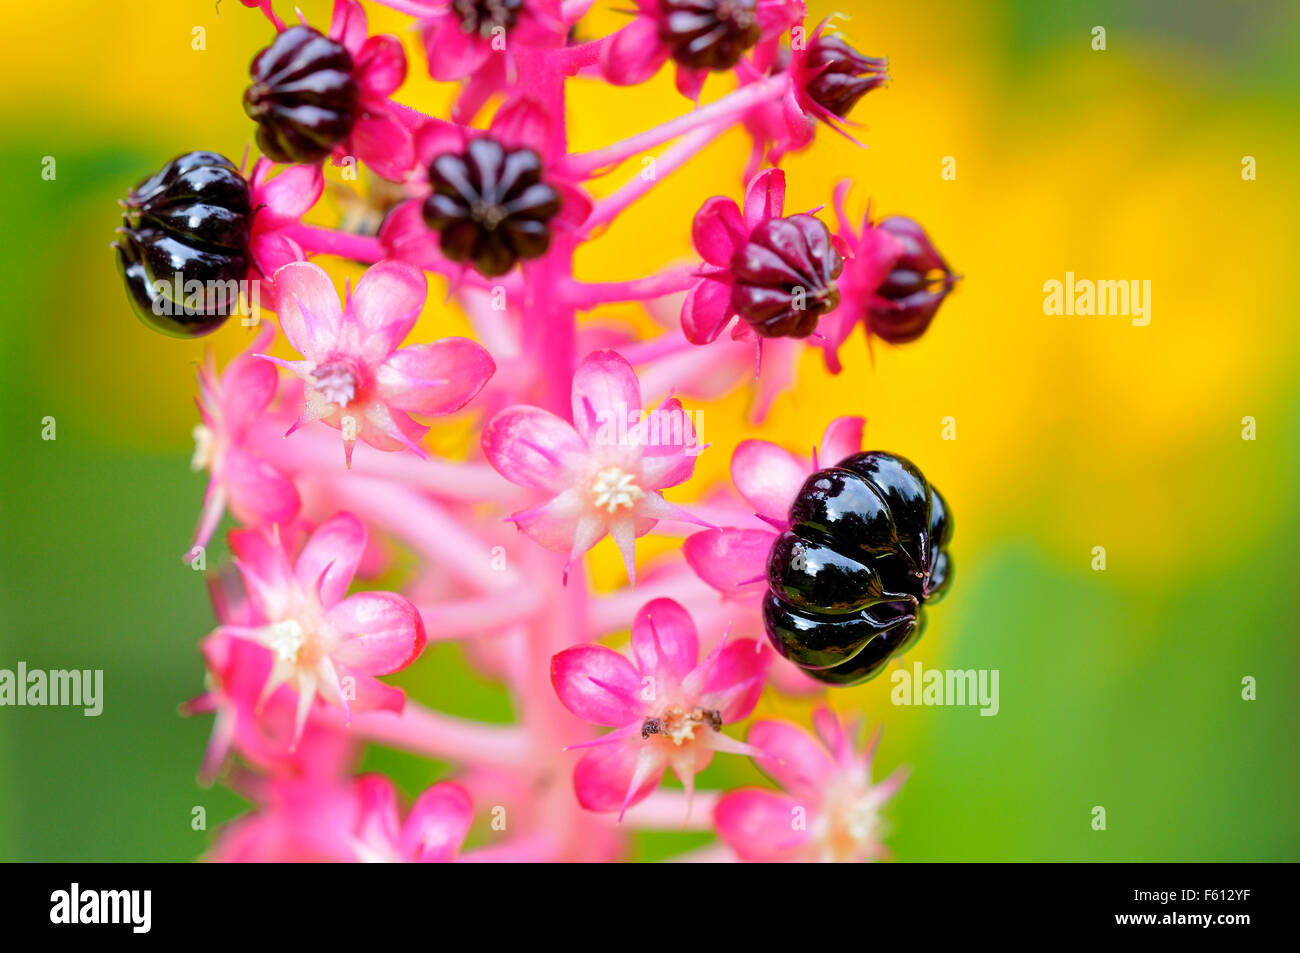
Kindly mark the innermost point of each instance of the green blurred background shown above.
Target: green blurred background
(1119, 688)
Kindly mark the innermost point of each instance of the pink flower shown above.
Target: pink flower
(602, 472)
(357, 378)
(893, 283)
(667, 707)
(433, 831)
(477, 42)
(322, 643)
(278, 202)
(379, 137)
(255, 491)
(829, 811)
(734, 560)
(700, 39)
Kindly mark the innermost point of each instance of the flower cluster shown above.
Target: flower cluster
(345, 566)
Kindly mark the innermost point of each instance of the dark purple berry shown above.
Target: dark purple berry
(784, 276)
(483, 16)
(914, 288)
(865, 552)
(490, 205)
(303, 97)
(708, 34)
(186, 223)
(842, 74)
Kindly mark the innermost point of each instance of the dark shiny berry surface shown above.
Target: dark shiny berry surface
(187, 222)
(784, 276)
(708, 34)
(915, 287)
(842, 74)
(865, 552)
(483, 16)
(490, 206)
(303, 96)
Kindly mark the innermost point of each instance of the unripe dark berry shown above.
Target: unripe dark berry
(303, 96)
(842, 74)
(708, 34)
(490, 205)
(865, 552)
(914, 288)
(784, 276)
(187, 222)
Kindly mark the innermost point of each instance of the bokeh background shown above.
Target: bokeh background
(1120, 688)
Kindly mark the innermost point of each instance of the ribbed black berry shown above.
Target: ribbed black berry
(190, 218)
(303, 97)
(784, 276)
(490, 205)
(484, 16)
(865, 552)
(708, 34)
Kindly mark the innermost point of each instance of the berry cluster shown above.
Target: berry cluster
(579, 438)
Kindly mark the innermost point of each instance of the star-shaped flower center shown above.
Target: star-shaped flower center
(335, 382)
(678, 725)
(286, 639)
(614, 487)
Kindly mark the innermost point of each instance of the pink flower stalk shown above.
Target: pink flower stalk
(358, 379)
(253, 489)
(323, 644)
(667, 707)
(734, 559)
(604, 471)
(498, 212)
(828, 809)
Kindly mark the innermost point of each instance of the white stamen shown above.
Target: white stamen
(615, 487)
(204, 448)
(286, 639)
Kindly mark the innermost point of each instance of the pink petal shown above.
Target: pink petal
(272, 250)
(247, 388)
(348, 25)
(534, 448)
(736, 679)
(522, 122)
(633, 54)
(380, 66)
(669, 447)
(765, 197)
(257, 492)
(331, 556)
(386, 632)
(383, 144)
(289, 195)
(379, 813)
(843, 438)
(690, 82)
(309, 313)
(263, 563)
(763, 826)
(768, 477)
(370, 693)
(727, 558)
(453, 55)
(598, 685)
(665, 643)
(706, 310)
(794, 759)
(604, 774)
(718, 230)
(605, 388)
(436, 378)
(436, 827)
(562, 524)
(384, 307)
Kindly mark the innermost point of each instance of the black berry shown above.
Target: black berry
(490, 205)
(303, 97)
(708, 34)
(785, 276)
(865, 552)
(188, 222)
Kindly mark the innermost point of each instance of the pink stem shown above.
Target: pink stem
(533, 849)
(436, 735)
(668, 811)
(445, 621)
(587, 295)
(608, 208)
(716, 116)
(326, 241)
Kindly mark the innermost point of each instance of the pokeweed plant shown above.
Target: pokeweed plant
(831, 562)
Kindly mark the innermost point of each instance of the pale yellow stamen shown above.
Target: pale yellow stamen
(614, 488)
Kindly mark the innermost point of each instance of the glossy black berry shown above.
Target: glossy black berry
(708, 34)
(784, 276)
(481, 17)
(186, 223)
(490, 205)
(865, 552)
(303, 96)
